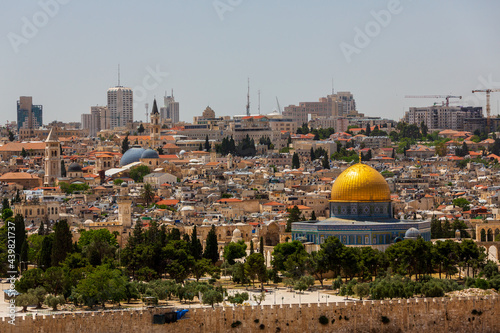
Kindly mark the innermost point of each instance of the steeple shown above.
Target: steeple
(52, 136)
(155, 108)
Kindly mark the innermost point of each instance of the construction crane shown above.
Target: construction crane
(447, 97)
(488, 106)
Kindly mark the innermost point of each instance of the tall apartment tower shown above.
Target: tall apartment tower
(52, 158)
(29, 117)
(170, 110)
(155, 126)
(120, 105)
(98, 119)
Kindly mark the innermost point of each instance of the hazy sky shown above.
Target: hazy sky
(66, 56)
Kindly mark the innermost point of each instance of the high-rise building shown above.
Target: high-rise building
(341, 104)
(29, 116)
(98, 119)
(120, 105)
(170, 110)
(441, 117)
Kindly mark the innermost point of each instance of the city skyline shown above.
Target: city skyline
(380, 52)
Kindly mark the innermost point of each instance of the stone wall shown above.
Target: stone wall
(472, 314)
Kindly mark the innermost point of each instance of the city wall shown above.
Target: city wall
(471, 314)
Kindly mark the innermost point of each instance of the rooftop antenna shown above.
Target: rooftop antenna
(248, 99)
(332, 87)
(147, 107)
(118, 75)
(259, 100)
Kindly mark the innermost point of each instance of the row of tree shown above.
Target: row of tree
(408, 258)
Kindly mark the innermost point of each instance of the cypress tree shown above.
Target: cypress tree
(295, 161)
(325, 163)
(63, 242)
(313, 157)
(261, 245)
(207, 144)
(196, 248)
(20, 233)
(45, 258)
(211, 248)
(125, 144)
(251, 247)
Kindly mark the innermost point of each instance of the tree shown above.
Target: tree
(333, 250)
(101, 285)
(125, 144)
(293, 216)
(137, 173)
(212, 297)
(148, 193)
(211, 249)
(423, 128)
(201, 267)
(54, 280)
(141, 129)
(255, 268)
(11, 136)
(304, 283)
(196, 247)
(238, 298)
(312, 155)
(441, 149)
(313, 216)
(251, 247)
(39, 294)
(30, 279)
(325, 162)
(207, 143)
(317, 265)
(290, 257)
(24, 300)
(261, 245)
(295, 161)
(54, 301)
(462, 203)
(362, 290)
(234, 251)
(63, 169)
(45, 257)
(62, 244)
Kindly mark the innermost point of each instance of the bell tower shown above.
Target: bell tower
(52, 158)
(155, 126)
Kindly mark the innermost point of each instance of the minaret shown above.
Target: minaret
(155, 126)
(52, 158)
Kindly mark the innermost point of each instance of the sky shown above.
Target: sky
(65, 53)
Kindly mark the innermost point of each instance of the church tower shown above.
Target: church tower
(155, 126)
(125, 211)
(52, 158)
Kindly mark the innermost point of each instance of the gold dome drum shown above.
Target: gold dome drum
(360, 183)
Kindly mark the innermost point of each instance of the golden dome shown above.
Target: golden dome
(360, 183)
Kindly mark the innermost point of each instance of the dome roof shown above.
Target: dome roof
(360, 183)
(236, 233)
(412, 233)
(132, 155)
(75, 167)
(150, 153)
